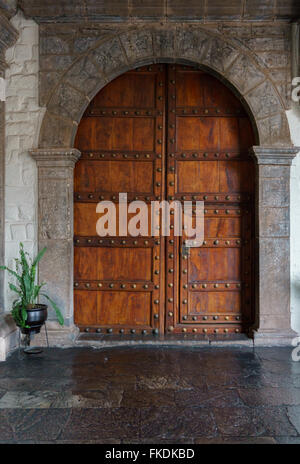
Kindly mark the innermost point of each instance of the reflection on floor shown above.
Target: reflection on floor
(151, 395)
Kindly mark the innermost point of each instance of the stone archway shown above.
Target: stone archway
(234, 65)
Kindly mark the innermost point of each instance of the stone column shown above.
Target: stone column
(55, 224)
(273, 322)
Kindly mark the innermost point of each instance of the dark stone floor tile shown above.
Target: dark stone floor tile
(287, 440)
(156, 382)
(259, 421)
(235, 441)
(35, 383)
(99, 441)
(294, 417)
(173, 423)
(165, 395)
(6, 431)
(91, 383)
(37, 424)
(94, 424)
(282, 354)
(148, 398)
(209, 397)
(106, 398)
(270, 396)
(160, 441)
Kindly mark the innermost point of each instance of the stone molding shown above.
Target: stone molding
(52, 156)
(273, 155)
(126, 49)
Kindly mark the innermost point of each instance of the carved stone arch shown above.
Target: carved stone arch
(237, 67)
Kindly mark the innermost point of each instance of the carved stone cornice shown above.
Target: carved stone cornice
(55, 156)
(8, 36)
(274, 155)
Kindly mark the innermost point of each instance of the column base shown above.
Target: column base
(58, 336)
(273, 337)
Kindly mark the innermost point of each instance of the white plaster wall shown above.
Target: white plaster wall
(294, 123)
(23, 117)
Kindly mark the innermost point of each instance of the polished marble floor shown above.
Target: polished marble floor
(151, 395)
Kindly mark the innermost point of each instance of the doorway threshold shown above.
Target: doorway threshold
(169, 340)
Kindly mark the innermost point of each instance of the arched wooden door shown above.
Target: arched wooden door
(165, 132)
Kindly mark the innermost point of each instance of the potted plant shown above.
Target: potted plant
(28, 315)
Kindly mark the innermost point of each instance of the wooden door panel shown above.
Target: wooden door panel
(120, 133)
(189, 90)
(114, 176)
(214, 303)
(236, 176)
(209, 288)
(118, 280)
(130, 90)
(85, 303)
(124, 309)
(218, 227)
(195, 177)
(197, 133)
(214, 264)
(133, 264)
(229, 134)
(87, 217)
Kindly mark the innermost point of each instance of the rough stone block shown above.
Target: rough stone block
(138, 45)
(59, 284)
(219, 54)
(264, 101)
(23, 52)
(85, 75)
(54, 209)
(179, 9)
(54, 45)
(47, 82)
(274, 285)
(274, 222)
(18, 232)
(273, 59)
(274, 192)
(67, 102)
(191, 43)
(110, 57)
(274, 130)
(244, 74)
(56, 132)
(164, 43)
(55, 62)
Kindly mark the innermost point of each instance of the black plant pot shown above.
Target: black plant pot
(36, 317)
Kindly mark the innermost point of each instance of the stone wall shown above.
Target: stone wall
(22, 120)
(294, 122)
(62, 44)
(72, 62)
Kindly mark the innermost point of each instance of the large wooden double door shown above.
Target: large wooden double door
(176, 133)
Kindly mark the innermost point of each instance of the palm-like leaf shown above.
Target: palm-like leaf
(56, 309)
(27, 289)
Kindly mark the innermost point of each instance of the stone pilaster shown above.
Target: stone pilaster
(8, 36)
(273, 324)
(55, 228)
